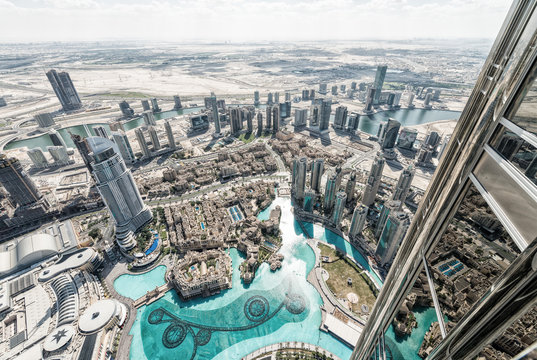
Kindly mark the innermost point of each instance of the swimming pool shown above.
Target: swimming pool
(135, 286)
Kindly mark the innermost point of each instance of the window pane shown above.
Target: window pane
(473, 252)
(519, 152)
(524, 110)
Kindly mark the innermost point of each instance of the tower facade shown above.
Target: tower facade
(44, 120)
(373, 181)
(17, 182)
(392, 234)
(341, 117)
(350, 186)
(388, 208)
(118, 190)
(64, 89)
(379, 82)
(275, 119)
(177, 103)
(339, 207)
(122, 142)
(142, 143)
(83, 148)
(403, 184)
(317, 170)
(169, 135)
(154, 138)
(330, 192)
(325, 111)
(299, 175)
(359, 217)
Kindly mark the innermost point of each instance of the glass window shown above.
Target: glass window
(519, 152)
(523, 111)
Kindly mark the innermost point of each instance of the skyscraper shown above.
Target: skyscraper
(83, 148)
(99, 130)
(118, 190)
(56, 138)
(403, 185)
(58, 154)
(390, 130)
(287, 96)
(17, 182)
(341, 117)
(379, 82)
(371, 93)
(235, 120)
(349, 187)
(177, 103)
(330, 192)
(269, 99)
(334, 90)
(215, 115)
(324, 118)
(154, 105)
(317, 170)
(145, 105)
(154, 138)
(359, 217)
(322, 88)
(276, 97)
(309, 200)
(315, 113)
(354, 122)
(37, 157)
(149, 118)
(410, 101)
(122, 142)
(169, 135)
(392, 234)
(301, 116)
(126, 109)
(476, 187)
(64, 89)
(256, 98)
(275, 119)
(300, 168)
(269, 117)
(427, 102)
(373, 181)
(259, 123)
(142, 143)
(339, 207)
(387, 208)
(407, 137)
(44, 120)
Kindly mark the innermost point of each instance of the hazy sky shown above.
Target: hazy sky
(247, 20)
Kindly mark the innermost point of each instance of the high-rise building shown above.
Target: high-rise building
(118, 190)
(410, 101)
(300, 168)
(350, 186)
(287, 96)
(407, 137)
(58, 154)
(215, 116)
(177, 103)
(154, 138)
(392, 234)
(149, 118)
(317, 170)
(37, 157)
(126, 109)
(476, 195)
(354, 122)
(309, 200)
(44, 120)
(17, 182)
(154, 105)
(436, 95)
(56, 138)
(341, 117)
(342, 88)
(390, 130)
(276, 97)
(256, 98)
(169, 135)
(301, 116)
(249, 122)
(373, 181)
(64, 89)
(275, 119)
(259, 123)
(359, 217)
(100, 130)
(142, 143)
(353, 85)
(339, 207)
(269, 99)
(315, 115)
(379, 82)
(83, 148)
(305, 95)
(330, 192)
(334, 90)
(427, 101)
(443, 147)
(115, 125)
(403, 185)
(145, 105)
(285, 110)
(387, 208)
(322, 89)
(312, 94)
(125, 150)
(235, 120)
(269, 117)
(371, 93)
(324, 117)
(433, 139)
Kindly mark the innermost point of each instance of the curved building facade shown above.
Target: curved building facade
(118, 190)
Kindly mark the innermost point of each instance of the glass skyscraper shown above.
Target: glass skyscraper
(471, 250)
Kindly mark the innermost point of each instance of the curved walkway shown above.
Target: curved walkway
(295, 345)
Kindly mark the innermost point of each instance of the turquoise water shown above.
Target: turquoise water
(43, 141)
(407, 348)
(265, 214)
(135, 286)
(276, 307)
